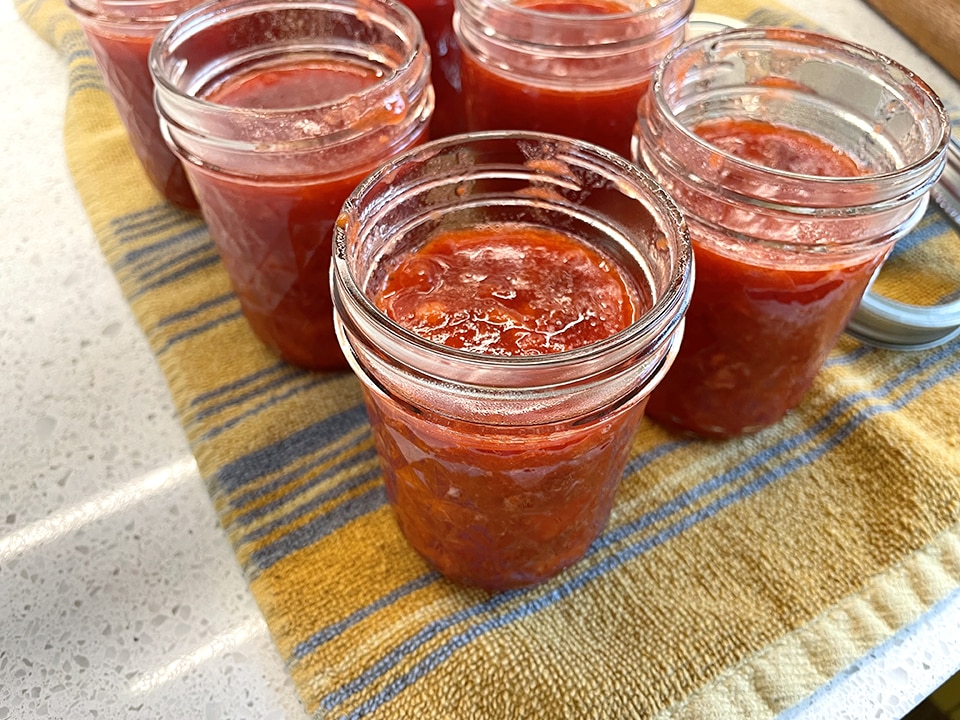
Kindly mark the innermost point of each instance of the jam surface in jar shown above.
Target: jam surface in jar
(509, 291)
(778, 147)
(762, 320)
(490, 505)
(562, 103)
(274, 234)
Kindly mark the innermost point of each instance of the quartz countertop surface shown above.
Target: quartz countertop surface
(120, 596)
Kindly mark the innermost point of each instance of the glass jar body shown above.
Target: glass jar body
(783, 257)
(278, 109)
(533, 501)
(120, 35)
(502, 470)
(571, 67)
(436, 17)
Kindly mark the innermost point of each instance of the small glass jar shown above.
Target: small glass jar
(783, 254)
(502, 469)
(120, 33)
(571, 67)
(278, 108)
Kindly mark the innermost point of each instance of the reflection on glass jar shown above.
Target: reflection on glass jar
(798, 161)
(120, 35)
(508, 301)
(278, 109)
(571, 67)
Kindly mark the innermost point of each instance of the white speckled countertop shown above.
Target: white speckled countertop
(119, 595)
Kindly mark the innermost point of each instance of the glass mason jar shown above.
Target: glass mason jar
(572, 67)
(785, 248)
(278, 108)
(501, 467)
(120, 33)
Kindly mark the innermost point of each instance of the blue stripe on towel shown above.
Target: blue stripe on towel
(268, 555)
(275, 457)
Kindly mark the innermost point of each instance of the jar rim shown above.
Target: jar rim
(123, 13)
(928, 165)
(501, 22)
(578, 19)
(654, 325)
(192, 20)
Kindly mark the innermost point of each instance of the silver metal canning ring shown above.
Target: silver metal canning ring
(890, 324)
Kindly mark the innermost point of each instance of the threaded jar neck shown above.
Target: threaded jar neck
(214, 41)
(614, 46)
(547, 181)
(867, 106)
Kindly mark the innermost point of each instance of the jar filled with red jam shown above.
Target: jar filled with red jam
(278, 109)
(120, 33)
(798, 160)
(508, 301)
(572, 67)
(436, 17)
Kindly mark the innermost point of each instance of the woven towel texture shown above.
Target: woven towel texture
(934, 25)
(733, 579)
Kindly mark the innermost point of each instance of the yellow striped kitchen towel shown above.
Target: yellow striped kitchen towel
(735, 579)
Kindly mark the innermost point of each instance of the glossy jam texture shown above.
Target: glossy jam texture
(762, 321)
(123, 62)
(504, 290)
(604, 115)
(275, 235)
(493, 505)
